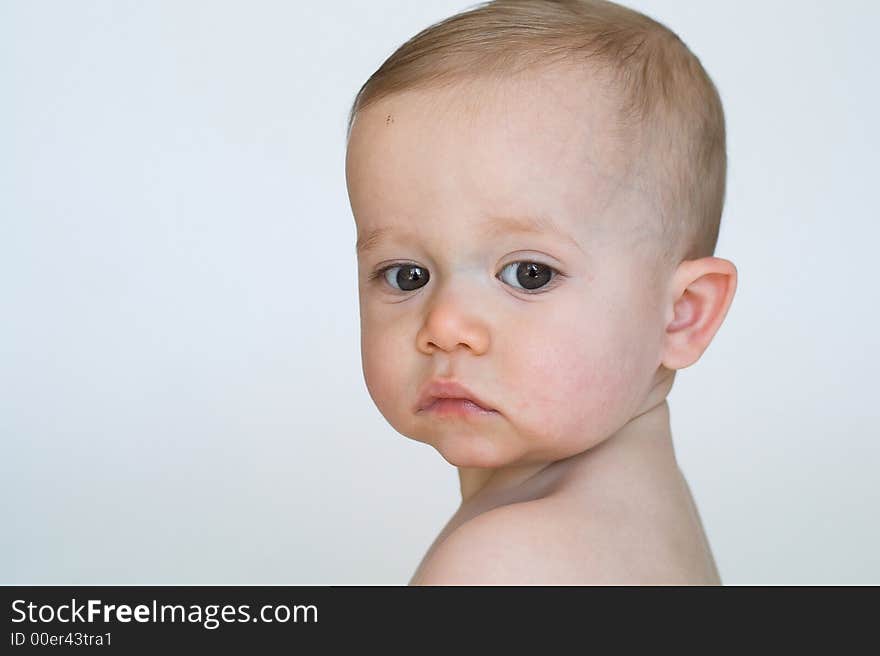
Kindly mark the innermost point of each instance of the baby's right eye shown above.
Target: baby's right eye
(407, 278)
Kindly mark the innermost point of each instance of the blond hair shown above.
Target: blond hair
(668, 104)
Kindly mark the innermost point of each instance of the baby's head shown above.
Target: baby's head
(537, 188)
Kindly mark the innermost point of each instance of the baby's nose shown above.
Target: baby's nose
(451, 322)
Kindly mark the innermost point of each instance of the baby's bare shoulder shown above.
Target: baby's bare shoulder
(532, 542)
(553, 542)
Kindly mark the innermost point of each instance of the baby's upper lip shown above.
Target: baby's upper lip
(438, 388)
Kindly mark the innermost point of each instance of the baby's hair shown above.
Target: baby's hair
(670, 112)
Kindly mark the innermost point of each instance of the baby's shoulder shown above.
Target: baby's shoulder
(540, 541)
(558, 541)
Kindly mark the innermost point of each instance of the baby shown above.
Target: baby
(538, 187)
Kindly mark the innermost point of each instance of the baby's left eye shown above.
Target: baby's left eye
(529, 275)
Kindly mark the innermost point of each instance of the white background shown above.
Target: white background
(181, 398)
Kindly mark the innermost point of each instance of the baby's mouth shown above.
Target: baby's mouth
(452, 407)
(447, 396)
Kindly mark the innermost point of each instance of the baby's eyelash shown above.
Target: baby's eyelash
(381, 271)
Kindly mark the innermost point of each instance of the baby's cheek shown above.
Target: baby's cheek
(381, 371)
(583, 393)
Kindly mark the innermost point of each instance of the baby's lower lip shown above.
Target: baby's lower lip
(457, 408)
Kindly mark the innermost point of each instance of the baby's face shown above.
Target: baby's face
(558, 329)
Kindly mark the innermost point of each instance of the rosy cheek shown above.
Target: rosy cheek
(576, 386)
(586, 387)
(544, 379)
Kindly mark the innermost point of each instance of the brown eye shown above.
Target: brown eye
(527, 275)
(406, 277)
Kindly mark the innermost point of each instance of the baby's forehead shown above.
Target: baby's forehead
(558, 103)
(518, 147)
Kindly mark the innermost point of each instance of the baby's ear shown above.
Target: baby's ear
(700, 294)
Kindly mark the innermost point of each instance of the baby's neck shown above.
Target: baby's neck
(475, 481)
(646, 438)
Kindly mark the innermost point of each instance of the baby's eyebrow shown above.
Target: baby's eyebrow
(497, 226)
(370, 240)
(493, 227)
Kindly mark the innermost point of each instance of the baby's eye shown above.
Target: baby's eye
(529, 275)
(405, 277)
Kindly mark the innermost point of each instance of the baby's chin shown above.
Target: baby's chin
(465, 452)
(487, 443)
(488, 449)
